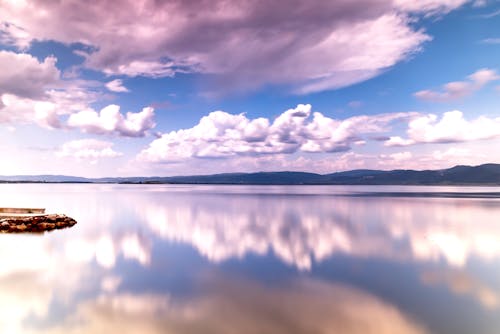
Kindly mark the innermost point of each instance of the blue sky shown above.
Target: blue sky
(173, 87)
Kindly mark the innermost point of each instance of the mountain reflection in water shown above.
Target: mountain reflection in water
(199, 259)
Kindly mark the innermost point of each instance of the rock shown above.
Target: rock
(21, 227)
(38, 223)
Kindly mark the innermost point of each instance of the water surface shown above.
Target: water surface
(254, 259)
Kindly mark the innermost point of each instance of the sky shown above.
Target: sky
(172, 87)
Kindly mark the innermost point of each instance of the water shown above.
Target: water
(254, 259)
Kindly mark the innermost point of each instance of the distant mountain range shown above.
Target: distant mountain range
(487, 174)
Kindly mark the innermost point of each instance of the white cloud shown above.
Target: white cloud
(74, 103)
(483, 76)
(220, 134)
(88, 149)
(429, 6)
(117, 86)
(110, 121)
(398, 141)
(458, 154)
(458, 89)
(452, 127)
(491, 41)
(401, 156)
(367, 50)
(388, 158)
(32, 91)
(136, 68)
(310, 45)
(23, 110)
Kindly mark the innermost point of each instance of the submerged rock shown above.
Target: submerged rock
(35, 223)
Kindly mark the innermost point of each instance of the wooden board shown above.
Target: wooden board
(22, 210)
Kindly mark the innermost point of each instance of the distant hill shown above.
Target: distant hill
(44, 178)
(487, 174)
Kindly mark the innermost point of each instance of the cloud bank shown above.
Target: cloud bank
(220, 135)
(308, 45)
(451, 128)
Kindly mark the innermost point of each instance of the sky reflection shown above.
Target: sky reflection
(154, 260)
(239, 306)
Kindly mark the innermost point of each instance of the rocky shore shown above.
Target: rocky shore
(34, 223)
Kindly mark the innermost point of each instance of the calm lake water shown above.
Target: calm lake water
(254, 259)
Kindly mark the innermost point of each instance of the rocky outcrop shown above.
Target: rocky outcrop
(34, 223)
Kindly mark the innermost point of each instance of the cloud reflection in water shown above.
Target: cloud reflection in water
(301, 230)
(240, 306)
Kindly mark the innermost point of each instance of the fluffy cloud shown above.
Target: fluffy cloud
(116, 86)
(458, 89)
(73, 103)
(452, 127)
(310, 45)
(24, 76)
(220, 134)
(15, 109)
(87, 149)
(110, 121)
(46, 109)
(32, 91)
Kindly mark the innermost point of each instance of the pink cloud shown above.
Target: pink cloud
(116, 86)
(23, 75)
(307, 45)
(458, 89)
